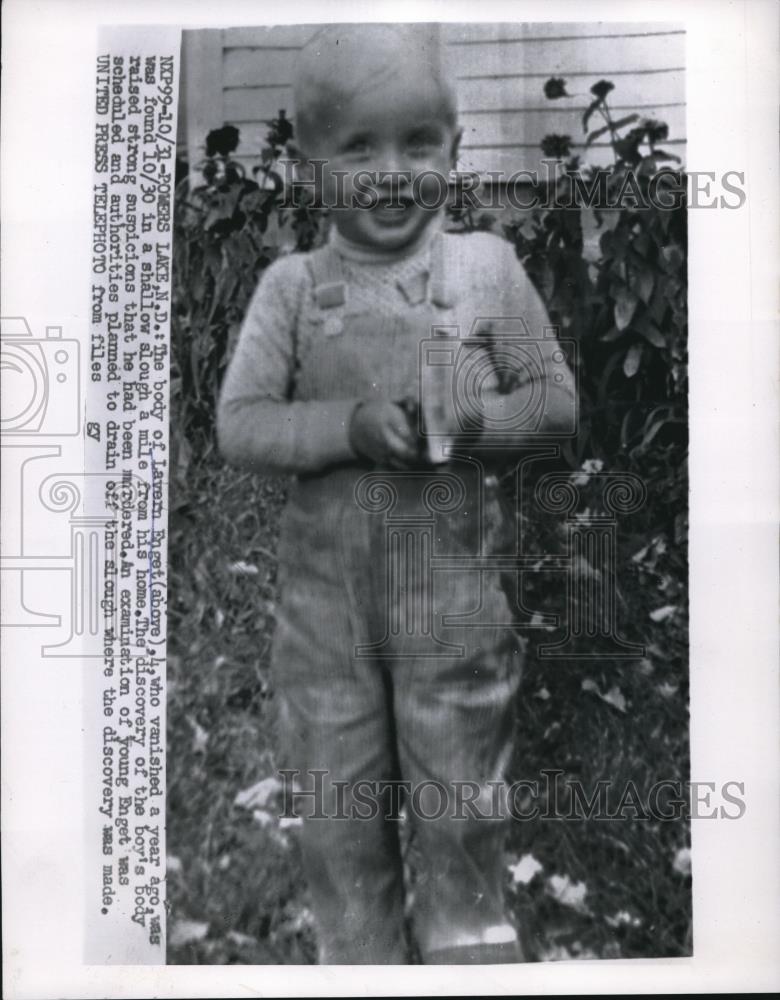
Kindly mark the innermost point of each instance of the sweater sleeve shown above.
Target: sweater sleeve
(259, 425)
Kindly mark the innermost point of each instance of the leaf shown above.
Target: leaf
(673, 257)
(611, 127)
(645, 282)
(650, 434)
(301, 920)
(627, 148)
(658, 306)
(652, 334)
(641, 244)
(262, 817)
(200, 737)
(625, 429)
(595, 134)
(632, 360)
(186, 932)
(647, 166)
(606, 375)
(623, 918)
(241, 940)
(257, 796)
(625, 307)
(566, 892)
(622, 122)
(290, 823)
(242, 568)
(662, 154)
(615, 698)
(662, 614)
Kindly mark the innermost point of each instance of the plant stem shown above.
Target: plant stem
(604, 111)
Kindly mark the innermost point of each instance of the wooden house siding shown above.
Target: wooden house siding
(242, 76)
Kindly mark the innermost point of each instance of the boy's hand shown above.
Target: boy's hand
(380, 431)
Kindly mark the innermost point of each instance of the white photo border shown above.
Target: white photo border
(732, 83)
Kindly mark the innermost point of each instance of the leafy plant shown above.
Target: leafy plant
(623, 298)
(227, 231)
(625, 306)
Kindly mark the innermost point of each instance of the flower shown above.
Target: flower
(555, 88)
(682, 861)
(655, 131)
(590, 467)
(281, 130)
(601, 89)
(525, 870)
(222, 141)
(556, 146)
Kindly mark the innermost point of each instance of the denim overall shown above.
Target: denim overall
(388, 665)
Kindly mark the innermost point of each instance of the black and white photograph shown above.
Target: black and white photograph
(390, 455)
(428, 675)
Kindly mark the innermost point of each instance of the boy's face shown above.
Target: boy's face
(386, 148)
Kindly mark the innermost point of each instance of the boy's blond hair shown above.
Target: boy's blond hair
(342, 61)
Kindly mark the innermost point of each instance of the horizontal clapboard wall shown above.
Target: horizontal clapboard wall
(242, 76)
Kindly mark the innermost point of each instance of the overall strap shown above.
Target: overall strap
(331, 287)
(328, 277)
(442, 290)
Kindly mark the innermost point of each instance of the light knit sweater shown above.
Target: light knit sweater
(260, 423)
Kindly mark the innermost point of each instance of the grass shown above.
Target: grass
(601, 889)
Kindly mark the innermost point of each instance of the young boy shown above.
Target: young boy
(386, 670)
